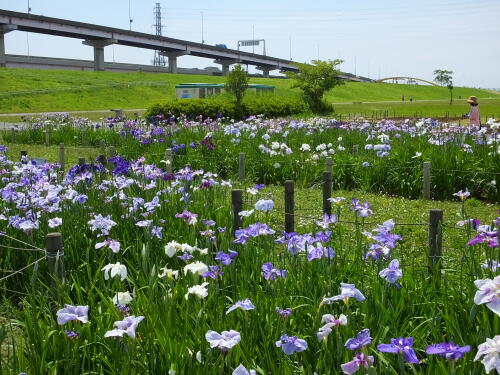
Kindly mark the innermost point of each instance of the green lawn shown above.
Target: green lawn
(28, 90)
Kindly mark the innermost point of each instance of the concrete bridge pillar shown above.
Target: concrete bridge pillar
(172, 59)
(265, 70)
(172, 64)
(4, 29)
(99, 45)
(226, 63)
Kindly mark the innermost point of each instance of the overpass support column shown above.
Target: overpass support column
(225, 69)
(226, 63)
(4, 29)
(172, 59)
(99, 45)
(266, 69)
(172, 64)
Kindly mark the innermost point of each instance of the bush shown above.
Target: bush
(267, 105)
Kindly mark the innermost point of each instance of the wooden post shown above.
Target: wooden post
(55, 258)
(237, 203)
(327, 193)
(111, 151)
(61, 156)
(84, 138)
(329, 165)
(241, 166)
(47, 137)
(169, 159)
(102, 159)
(355, 149)
(13, 134)
(435, 241)
(426, 188)
(289, 206)
(102, 147)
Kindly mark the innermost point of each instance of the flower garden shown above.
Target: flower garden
(158, 278)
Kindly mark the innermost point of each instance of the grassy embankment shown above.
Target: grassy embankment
(27, 90)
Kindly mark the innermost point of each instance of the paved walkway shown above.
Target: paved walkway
(63, 112)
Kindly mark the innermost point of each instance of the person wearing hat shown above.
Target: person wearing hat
(474, 118)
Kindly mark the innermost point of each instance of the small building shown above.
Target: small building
(203, 90)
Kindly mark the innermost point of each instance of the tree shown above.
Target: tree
(236, 84)
(314, 80)
(444, 78)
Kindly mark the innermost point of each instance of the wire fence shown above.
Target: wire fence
(28, 248)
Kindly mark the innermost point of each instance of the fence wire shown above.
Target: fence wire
(22, 269)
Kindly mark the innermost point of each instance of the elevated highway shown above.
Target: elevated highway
(100, 37)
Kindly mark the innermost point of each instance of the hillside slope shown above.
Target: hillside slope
(28, 90)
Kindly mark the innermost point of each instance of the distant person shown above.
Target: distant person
(474, 118)
(411, 99)
(403, 98)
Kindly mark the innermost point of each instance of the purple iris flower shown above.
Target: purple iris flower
(360, 360)
(156, 232)
(346, 291)
(291, 345)
(259, 186)
(400, 346)
(209, 223)
(213, 272)
(112, 244)
(241, 370)
(493, 265)
(448, 350)
(188, 217)
(392, 273)
(226, 259)
(285, 313)
(271, 273)
(363, 210)
(327, 220)
(121, 165)
(362, 339)
(69, 313)
(101, 223)
(486, 234)
(224, 340)
(144, 223)
(185, 257)
(80, 198)
(71, 334)
(123, 309)
(245, 304)
(126, 326)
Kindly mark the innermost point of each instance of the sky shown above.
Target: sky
(375, 38)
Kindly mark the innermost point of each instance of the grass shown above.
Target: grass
(489, 108)
(431, 305)
(174, 327)
(460, 162)
(27, 90)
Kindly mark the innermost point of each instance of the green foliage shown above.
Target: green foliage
(316, 79)
(30, 90)
(267, 105)
(237, 83)
(445, 78)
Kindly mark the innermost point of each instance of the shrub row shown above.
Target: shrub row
(267, 105)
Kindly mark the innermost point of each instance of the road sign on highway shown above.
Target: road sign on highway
(247, 43)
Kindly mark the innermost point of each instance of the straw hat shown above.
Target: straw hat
(472, 100)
